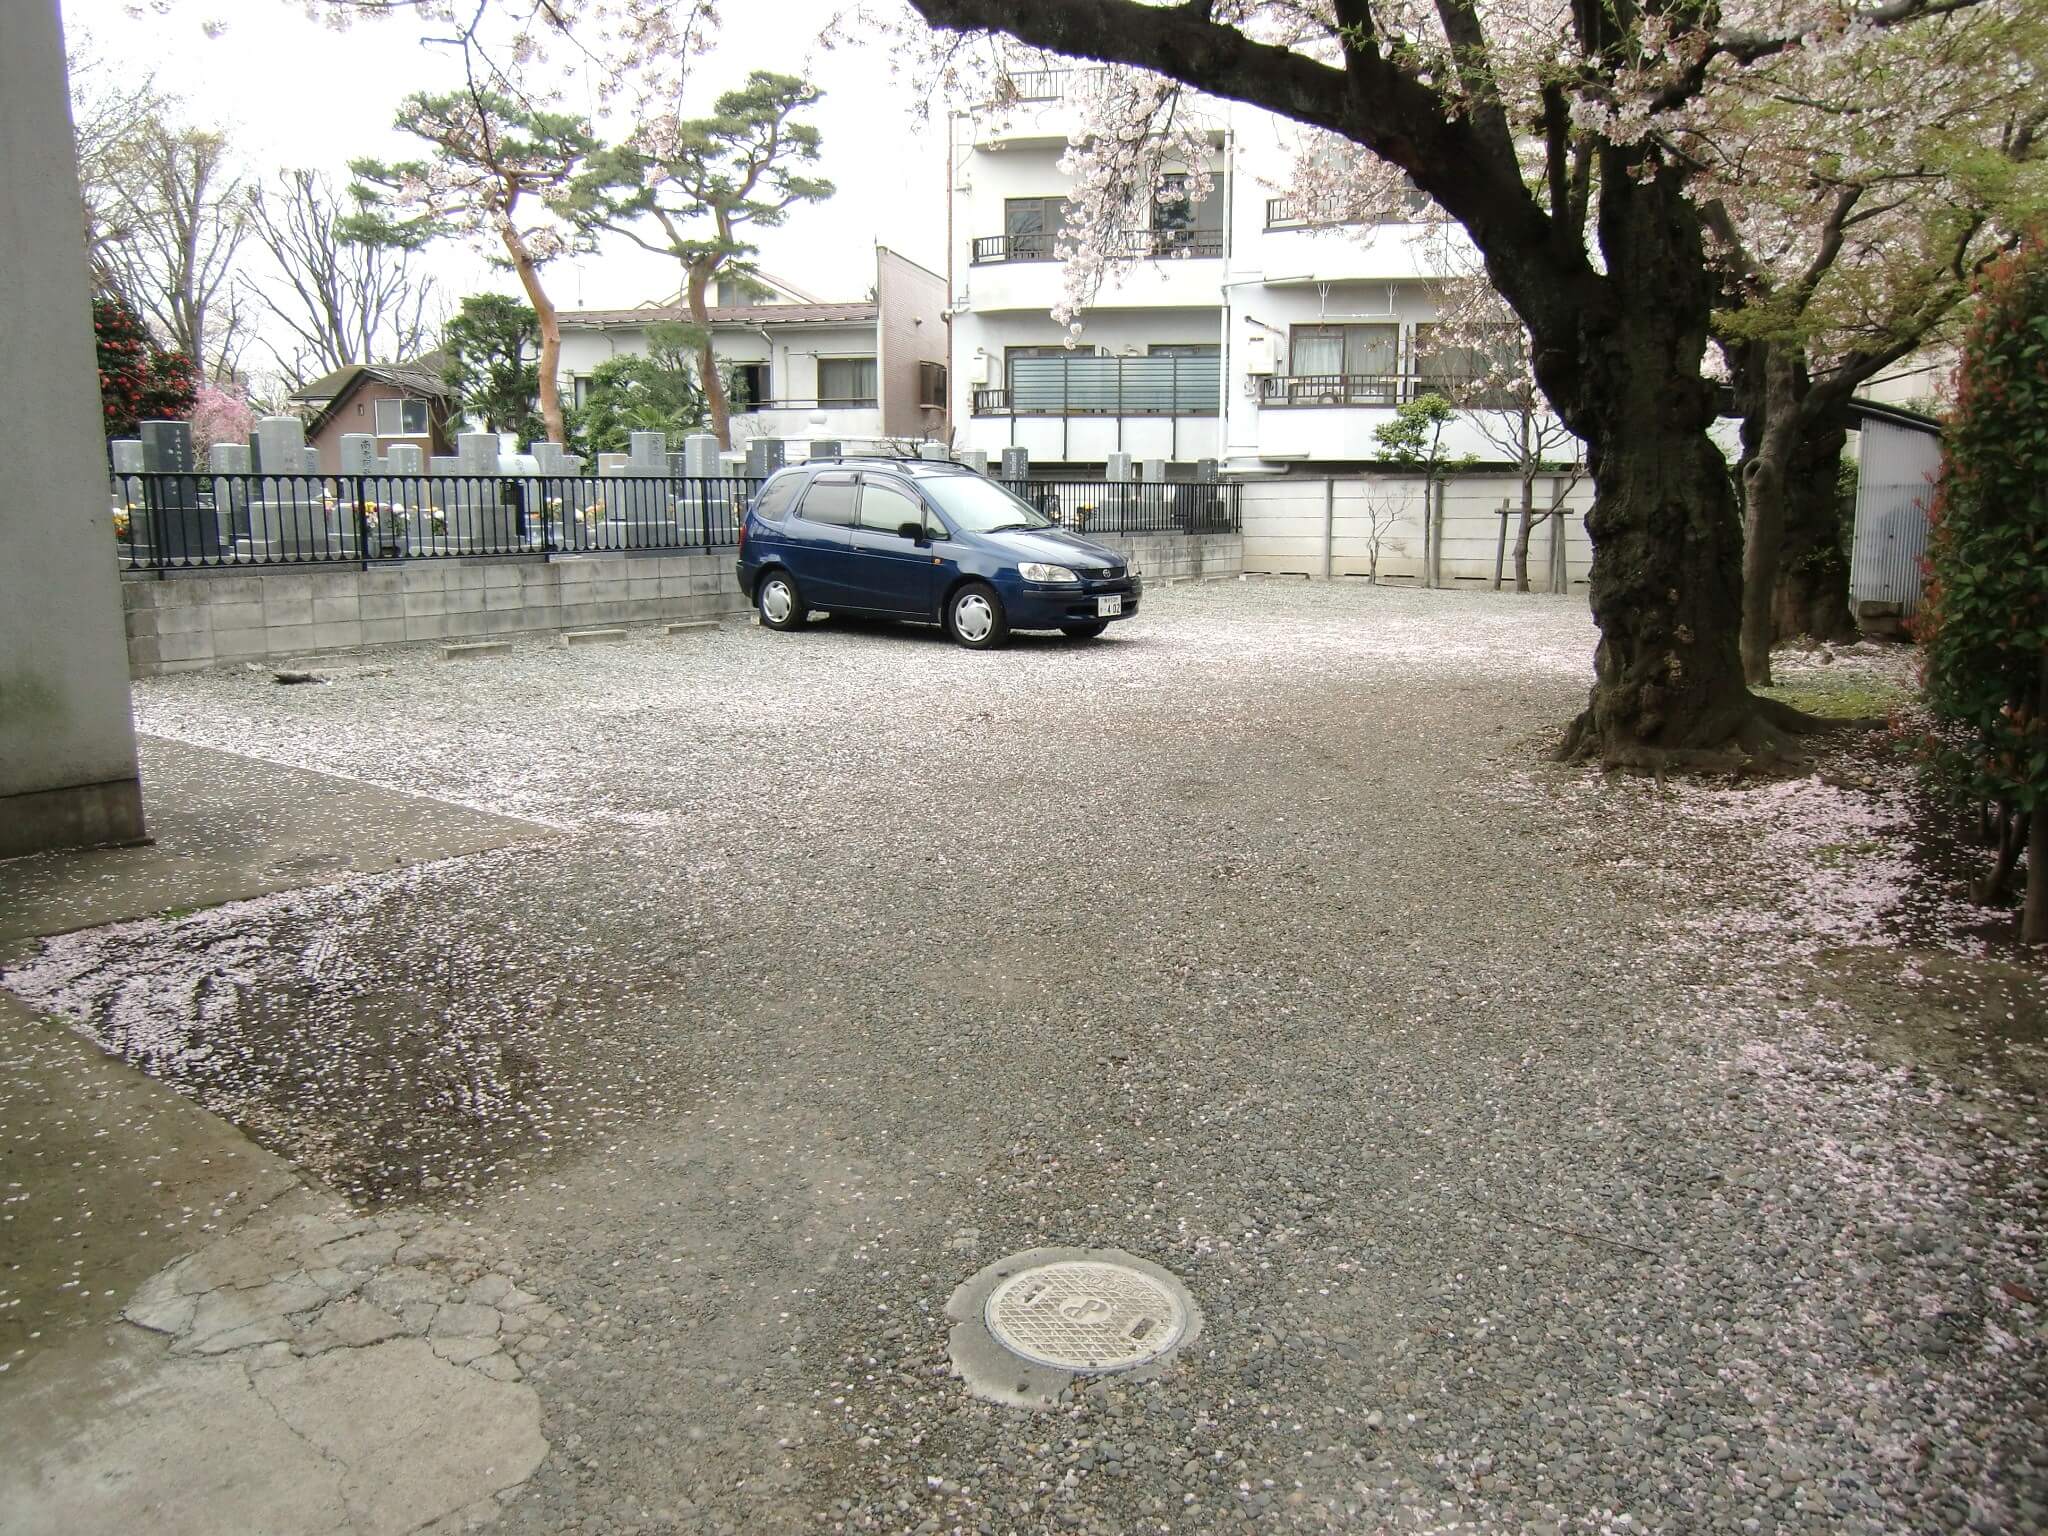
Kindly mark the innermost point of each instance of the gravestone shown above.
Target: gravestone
(1016, 464)
(826, 448)
(973, 458)
(129, 496)
(700, 456)
(182, 529)
(647, 453)
(936, 452)
(1152, 470)
(230, 462)
(280, 443)
(764, 456)
(612, 463)
(1119, 467)
(1205, 471)
(407, 459)
(444, 464)
(127, 454)
(477, 453)
(167, 447)
(358, 453)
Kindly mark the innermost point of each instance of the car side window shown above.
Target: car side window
(830, 500)
(885, 509)
(776, 496)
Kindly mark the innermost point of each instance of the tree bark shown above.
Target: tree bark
(1812, 596)
(695, 287)
(1763, 505)
(1522, 529)
(2034, 915)
(1667, 581)
(550, 327)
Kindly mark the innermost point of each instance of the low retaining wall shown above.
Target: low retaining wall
(194, 619)
(199, 619)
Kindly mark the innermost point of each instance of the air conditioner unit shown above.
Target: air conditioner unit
(1258, 355)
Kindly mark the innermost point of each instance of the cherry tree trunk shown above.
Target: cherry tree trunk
(1813, 573)
(1666, 583)
(1522, 532)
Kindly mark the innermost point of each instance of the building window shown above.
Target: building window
(749, 385)
(846, 381)
(402, 418)
(1184, 349)
(931, 385)
(1031, 226)
(580, 388)
(1351, 351)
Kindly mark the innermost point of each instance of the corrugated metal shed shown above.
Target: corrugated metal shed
(1896, 465)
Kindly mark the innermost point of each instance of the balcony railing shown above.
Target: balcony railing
(1289, 213)
(1106, 386)
(1139, 244)
(1368, 389)
(741, 408)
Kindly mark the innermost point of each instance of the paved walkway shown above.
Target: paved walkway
(1543, 1152)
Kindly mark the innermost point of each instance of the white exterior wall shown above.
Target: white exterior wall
(1266, 282)
(791, 353)
(1317, 526)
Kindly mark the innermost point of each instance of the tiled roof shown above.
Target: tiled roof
(724, 314)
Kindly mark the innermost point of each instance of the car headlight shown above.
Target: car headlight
(1032, 571)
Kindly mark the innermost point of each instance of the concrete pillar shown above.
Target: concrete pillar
(68, 773)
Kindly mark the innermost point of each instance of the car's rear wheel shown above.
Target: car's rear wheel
(974, 617)
(780, 605)
(1087, 631)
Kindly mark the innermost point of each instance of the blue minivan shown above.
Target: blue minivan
(926, 541)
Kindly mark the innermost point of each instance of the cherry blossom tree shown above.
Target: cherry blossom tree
(1849, 196)
(498, 175)
(1555, 139)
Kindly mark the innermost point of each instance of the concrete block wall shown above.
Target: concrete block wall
(1164, 556)
(206, 618)
(1302, 525)
(202, 618)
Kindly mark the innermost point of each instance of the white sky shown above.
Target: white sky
(291, 93)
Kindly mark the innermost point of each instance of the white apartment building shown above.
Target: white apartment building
(805, 368)
(1246, 334)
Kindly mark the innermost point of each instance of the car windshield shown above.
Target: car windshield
(975, 505)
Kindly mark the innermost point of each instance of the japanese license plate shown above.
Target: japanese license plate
(1108, 607)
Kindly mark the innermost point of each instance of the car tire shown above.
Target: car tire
(974, 617)
(1087, 631)
(779, 603)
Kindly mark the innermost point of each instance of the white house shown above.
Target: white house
(805, 368)
(1246, 333)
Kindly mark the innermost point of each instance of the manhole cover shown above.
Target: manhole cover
(1084, 1315)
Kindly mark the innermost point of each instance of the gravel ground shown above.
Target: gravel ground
(1545, 1152)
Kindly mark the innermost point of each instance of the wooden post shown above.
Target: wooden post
(1500, 548)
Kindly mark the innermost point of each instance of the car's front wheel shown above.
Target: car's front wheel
(1087, 631)
(974, 617)
(780, 604)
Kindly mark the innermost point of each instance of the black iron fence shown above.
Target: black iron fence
(168, 522)
(185, 521)
(1135, 506)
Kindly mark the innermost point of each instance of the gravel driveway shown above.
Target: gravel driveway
(1545, 1153)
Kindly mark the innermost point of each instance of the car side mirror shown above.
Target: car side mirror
(911, 531)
